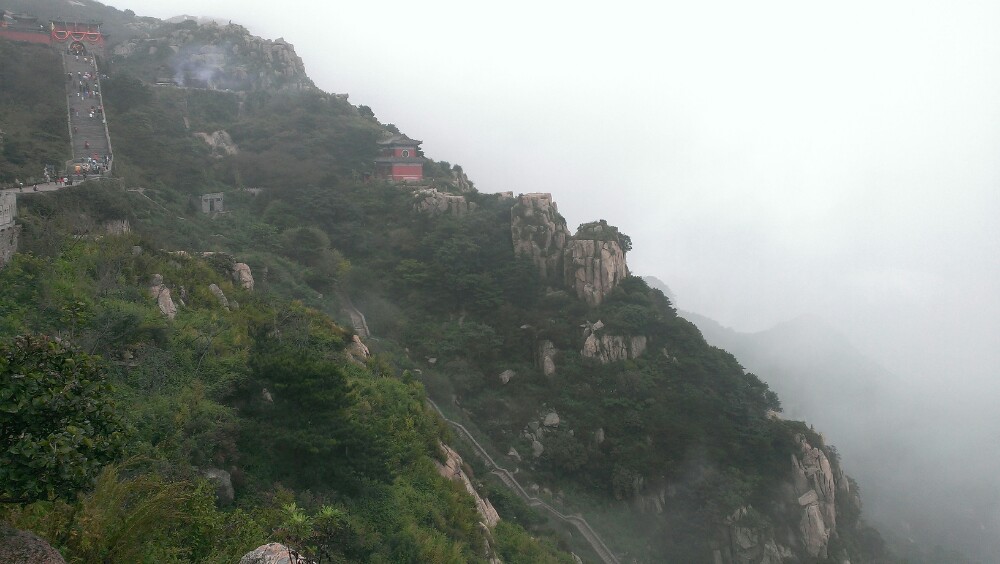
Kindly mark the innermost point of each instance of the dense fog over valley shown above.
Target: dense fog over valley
(770, 161)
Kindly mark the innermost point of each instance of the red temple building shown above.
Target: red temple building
(76, 36)
(399, 160)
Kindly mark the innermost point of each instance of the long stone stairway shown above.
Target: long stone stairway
(89, 135)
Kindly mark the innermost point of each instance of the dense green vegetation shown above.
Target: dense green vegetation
(337, 457)
(32, 112)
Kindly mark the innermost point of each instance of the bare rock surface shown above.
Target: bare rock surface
(546, 357)
(452, 469)
(432, 202)
(539, 233)
(221, 143)
(223, 483)
(590, 263)
(219, 295)
(159, 292)
(243, 276)
(27, 547)
(594, 262)
(357, 351)
(273, 553)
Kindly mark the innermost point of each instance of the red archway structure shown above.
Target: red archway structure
(85, 34)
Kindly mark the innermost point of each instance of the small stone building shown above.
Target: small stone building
(211, 203)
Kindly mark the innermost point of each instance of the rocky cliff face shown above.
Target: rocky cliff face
(452, 469)
(610, 348)
(594, 262)
(432, 202)
(591, 263)
(810, 501)
(539, 233)
(213, 56)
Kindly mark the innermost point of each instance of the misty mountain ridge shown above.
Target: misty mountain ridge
(882, 430)
(664, 440)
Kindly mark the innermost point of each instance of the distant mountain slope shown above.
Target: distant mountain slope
(880, 428)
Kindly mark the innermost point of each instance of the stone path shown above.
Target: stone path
(581, 524)
(357, 318)
(88, 135)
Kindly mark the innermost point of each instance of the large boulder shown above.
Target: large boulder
(159, 292)
(243, 276)
(22, 546)
(273, 553)
(223, 482)
(546, 357)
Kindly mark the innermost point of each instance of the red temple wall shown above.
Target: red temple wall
(398, 151)
(29, 36)
(407, 172)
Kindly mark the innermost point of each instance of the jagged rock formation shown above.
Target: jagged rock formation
(816, 484)
(595, 262)
(810, 502)
(243, 276)
(221, 143)
(452, 469)
(430, 201)
(610, 348)
(273, 553)
(159, 291)
(591, 263)
(217, 57)
(22, 546)
(539, 233)
(506, 376)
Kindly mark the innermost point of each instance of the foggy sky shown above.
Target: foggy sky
(768, 159)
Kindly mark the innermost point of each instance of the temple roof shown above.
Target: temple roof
(399, 139)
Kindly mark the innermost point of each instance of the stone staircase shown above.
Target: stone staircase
(89, 136)
(601, 550)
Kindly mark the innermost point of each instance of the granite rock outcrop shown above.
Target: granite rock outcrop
(24, 546)
(539, 233)
(432, 202)
(610, 348)
(215, 57)
(590, 263)
(452, 469)
(159, 292)
(594, 262)
(243, 276)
